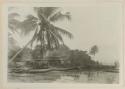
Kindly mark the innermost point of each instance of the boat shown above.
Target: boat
(38, 70)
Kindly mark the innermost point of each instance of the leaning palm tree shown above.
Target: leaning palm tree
(46, 33)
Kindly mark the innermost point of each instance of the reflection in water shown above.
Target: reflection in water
(67, 76)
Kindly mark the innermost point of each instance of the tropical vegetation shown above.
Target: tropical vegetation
(46, 49)
(46, 33)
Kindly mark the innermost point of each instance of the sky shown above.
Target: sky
(99, 25)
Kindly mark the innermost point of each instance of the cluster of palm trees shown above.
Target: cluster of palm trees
(46, 33)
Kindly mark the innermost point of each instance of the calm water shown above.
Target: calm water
(65, 77)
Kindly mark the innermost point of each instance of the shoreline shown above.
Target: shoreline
(22, 70)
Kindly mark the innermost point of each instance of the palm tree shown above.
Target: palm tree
(93, 50)
(46, 33)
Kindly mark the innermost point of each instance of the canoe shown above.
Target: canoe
(112, 70)
(39, 70)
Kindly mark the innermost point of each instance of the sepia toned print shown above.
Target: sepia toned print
(64, 44)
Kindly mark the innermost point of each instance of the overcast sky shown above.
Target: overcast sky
(91, 25)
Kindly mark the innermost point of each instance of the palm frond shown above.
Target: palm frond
(31, 17)
(60, 16)
(63, 31)
(46, 11)
(29, 24)
(56, 35)
(52, 40)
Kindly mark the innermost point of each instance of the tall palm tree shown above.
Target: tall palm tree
(46, 33)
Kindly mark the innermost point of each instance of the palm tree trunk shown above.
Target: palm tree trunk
(12, 59)
(23, 48)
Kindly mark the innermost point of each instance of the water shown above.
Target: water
(66, 77)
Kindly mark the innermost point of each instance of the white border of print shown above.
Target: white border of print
(7, 85)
